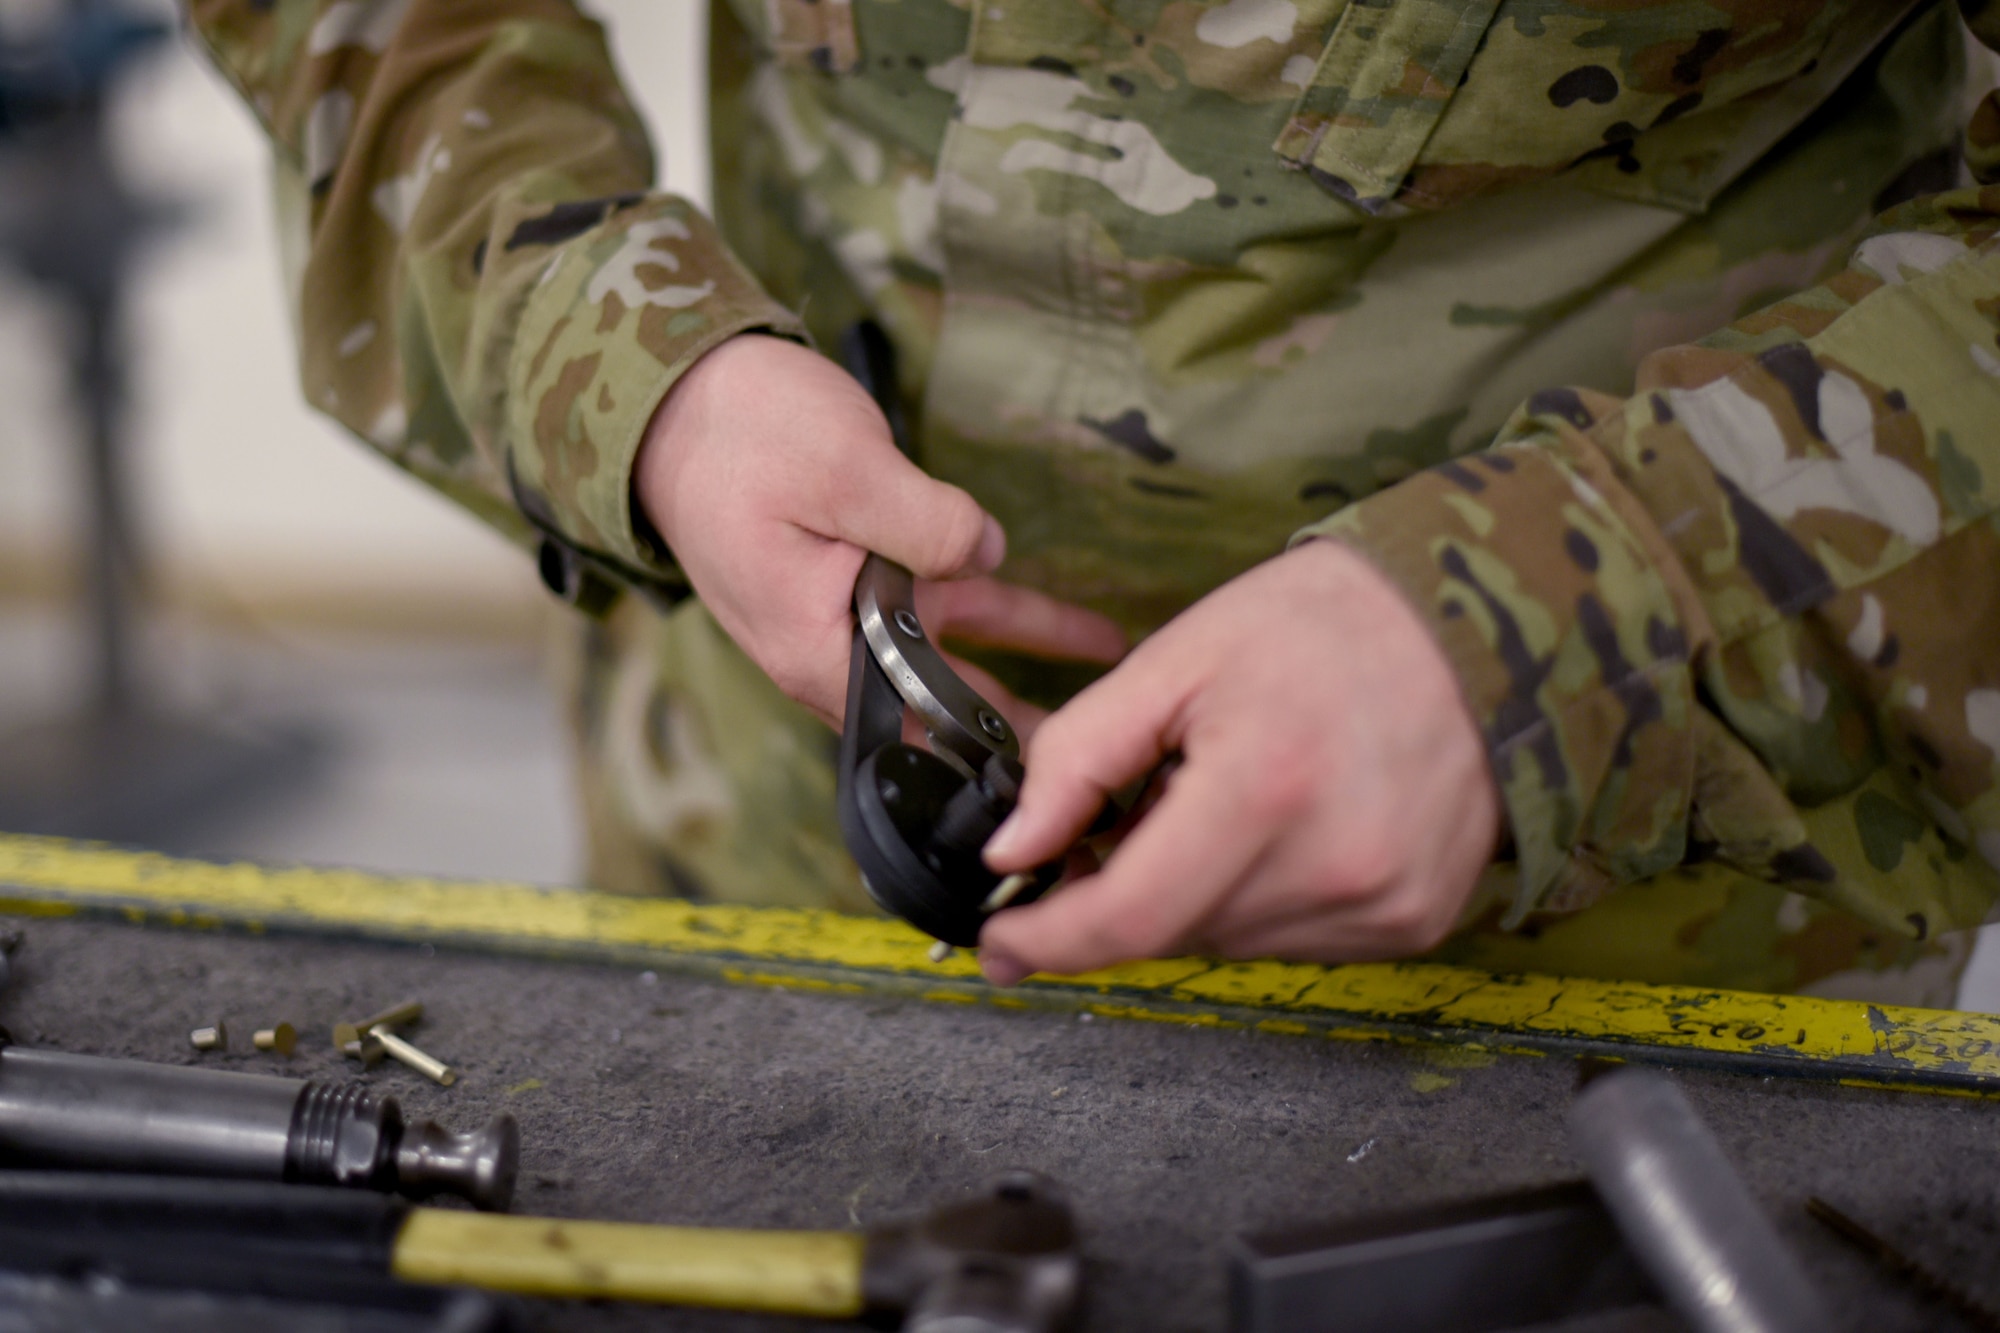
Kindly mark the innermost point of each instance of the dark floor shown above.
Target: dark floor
(666, 1099)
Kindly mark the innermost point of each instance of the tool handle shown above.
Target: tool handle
(814, 1273)
(302, 1241)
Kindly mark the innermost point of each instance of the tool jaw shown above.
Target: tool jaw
(1005, 1262)
(916, 820)
(960, 723)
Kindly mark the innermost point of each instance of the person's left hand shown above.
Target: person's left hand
(1333, 802)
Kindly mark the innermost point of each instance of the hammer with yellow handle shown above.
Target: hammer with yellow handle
(1004, 1260)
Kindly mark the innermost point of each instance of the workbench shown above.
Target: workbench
(672, 1063)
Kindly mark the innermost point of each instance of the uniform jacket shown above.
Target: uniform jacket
(1648, 345)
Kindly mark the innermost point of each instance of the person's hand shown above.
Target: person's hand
(771, 474)
(1333, 801)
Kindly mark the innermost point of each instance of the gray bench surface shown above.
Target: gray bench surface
(659, 1098)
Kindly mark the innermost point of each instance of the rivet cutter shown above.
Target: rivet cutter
(915, 820)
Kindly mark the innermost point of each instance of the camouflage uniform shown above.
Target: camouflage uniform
(1176, 282)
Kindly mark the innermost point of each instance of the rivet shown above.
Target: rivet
(281, 1038)
(395, 1016)
(365, 1049)
(1006, 891)
(214, 1038)
(429, 1066)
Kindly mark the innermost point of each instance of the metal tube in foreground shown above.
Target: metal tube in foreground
(125, 1115)
(93, 1114)
(1685, 1213)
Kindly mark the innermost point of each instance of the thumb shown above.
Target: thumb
(1109, 736)
(932, 528)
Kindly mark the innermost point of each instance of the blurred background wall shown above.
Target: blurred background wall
(301, 583)
(254, 506)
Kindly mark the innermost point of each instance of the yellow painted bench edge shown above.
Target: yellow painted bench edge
(1837, 1040)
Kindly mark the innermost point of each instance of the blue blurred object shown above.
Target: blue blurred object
(83, 52)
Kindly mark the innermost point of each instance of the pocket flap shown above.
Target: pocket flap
(1383, 81)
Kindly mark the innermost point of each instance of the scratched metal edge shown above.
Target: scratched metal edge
(1111, 1001)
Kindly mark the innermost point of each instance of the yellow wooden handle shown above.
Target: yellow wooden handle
(781, 1272)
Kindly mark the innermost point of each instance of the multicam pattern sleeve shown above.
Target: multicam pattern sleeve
(492, 298)
(1752, 611)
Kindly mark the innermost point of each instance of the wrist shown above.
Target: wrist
(692, 406)
(1367, 595)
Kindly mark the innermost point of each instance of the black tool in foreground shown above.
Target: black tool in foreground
(1003, 1261)
(92, 1253)
(84, 1112)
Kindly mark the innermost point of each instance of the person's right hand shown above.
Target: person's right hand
(771, 474)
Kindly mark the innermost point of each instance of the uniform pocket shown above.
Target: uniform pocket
(1378, 92)
(804, 34)
(1422, 104)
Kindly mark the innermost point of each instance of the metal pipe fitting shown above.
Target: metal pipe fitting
(88, 1113)
(1685, 1213)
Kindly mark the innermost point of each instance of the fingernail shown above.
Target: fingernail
(1004, 842)
(1000, 969)
(992, 547)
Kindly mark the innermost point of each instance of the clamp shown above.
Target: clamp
(915, 820)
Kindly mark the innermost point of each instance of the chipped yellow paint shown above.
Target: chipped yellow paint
(1831, 1039)
(1149, 1014)
(1469, 1056)
(1889, 1085)
(1425, 1081)
(742, 978)
(1284, 1027)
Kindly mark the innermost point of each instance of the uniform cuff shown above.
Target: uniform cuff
(612, 323)
(1539, 577)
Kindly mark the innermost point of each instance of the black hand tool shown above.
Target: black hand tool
(89, 1252)
(1003, 1261)
(915, 820)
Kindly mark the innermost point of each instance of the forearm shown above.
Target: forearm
(1752, 610)
(491, 296)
